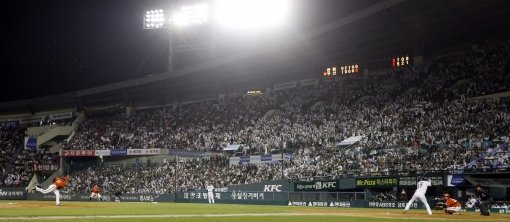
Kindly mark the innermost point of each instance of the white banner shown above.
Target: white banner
(277, 157)
(102, 152)
(31, 120)
(259, 159)
(308, 82)
(133, 152)
(61, 116)
(234, 160)
(286, 85)
(255, 159)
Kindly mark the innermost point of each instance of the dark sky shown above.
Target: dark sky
(58, 46)
(51, 47)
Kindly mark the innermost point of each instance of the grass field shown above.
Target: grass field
(129, 211)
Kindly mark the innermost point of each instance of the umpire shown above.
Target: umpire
(485, 200)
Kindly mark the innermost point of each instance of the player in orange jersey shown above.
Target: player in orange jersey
(58, 183)
(452, 205)
(95, 193)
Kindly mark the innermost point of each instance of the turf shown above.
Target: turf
(151, 212)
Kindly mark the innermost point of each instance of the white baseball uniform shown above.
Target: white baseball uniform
(51, 188)
(210, 193)
(420, 194)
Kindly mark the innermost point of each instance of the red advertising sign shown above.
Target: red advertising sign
(77, 153)
(46, 167)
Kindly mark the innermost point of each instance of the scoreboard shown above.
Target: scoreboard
(395, 61)
(398, 61)
(348, 69)
(342, 70)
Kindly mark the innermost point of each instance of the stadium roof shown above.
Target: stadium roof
(87, 53)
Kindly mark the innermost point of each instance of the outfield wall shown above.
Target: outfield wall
(244, 197)
(12, 193)
(299, 199)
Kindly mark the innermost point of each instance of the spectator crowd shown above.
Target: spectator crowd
(416, 118)
(410, 119)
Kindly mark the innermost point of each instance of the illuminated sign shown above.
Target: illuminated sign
(254, 92)
(343, 70)
(349, 69)
(398, 61)
(377, 182)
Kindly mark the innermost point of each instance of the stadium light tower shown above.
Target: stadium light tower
(184, 16)
(154, 19)
(246, 16)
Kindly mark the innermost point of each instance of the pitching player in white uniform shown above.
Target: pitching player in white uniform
(210, 193)
(58, 183)
(421, 189)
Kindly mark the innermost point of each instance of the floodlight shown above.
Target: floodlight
(154, 19)
(191, 15)
(251, 14)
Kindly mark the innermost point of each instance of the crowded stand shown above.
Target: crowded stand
(411, 119)
(11, 139)
(17, 163)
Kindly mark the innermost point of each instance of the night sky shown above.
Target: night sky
(59, 46)
(51, 47)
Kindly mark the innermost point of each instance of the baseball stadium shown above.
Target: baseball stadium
(255, 110)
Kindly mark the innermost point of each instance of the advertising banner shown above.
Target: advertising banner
(411, 181)
(27, 120)
(134, 152)
(266, 158)
(330, 185)
(267, 186)
(342, 204)
(118, 152)
(389, 204)
(46, 167)
(244, 159)
(456, 180)
(60, 116)
(276, 157)
(106, 197)
(255, 159)
(377, 182)
(30, 143)
(236, 197)
(234, 160)
(102, 153)
(258, 159)
(12, 193)
(71, 153)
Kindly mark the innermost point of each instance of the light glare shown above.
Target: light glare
(154, 19)
(251, 14)
(191, 15)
